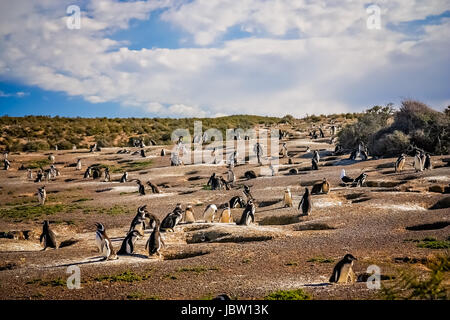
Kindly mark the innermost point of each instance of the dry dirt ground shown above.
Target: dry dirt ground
(279, 252)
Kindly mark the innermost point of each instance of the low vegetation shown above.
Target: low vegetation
(298, 294)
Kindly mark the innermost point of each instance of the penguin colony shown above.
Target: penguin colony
(342, 272)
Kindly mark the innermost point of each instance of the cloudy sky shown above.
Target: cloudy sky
(185, 58)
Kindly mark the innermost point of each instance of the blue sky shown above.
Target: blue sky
(175, 58)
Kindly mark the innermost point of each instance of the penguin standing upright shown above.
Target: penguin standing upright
(210, 213)
(360, 180)
(225, 216)
(189, 214)
(88, 173)
(248, 193)
(316, 156)
(287, 199)
(155, 241)
(231, 177)
(39, 176)
(51, 158)
(314, 164)
(104, 244)
(29, 174)
(42, 195)
(138, 222)
(163, 152)
(128, 243)
(7, 164)
(141, 188)
(107, 175)
(418, 165)
(143, 153)
(343, 271)
(344, 178)
(399, 164)
(124, 177)
(154, 187)
(325, 186)
(305, 204)
(236, 201)
(78, 166)
(48, 237)
(248, 216)
(427, 163)
(172, 219)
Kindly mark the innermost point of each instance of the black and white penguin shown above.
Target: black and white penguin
(141, 188)
(172, 219)
(363, 154)
(93, 148)
(124, 177)
(42, 195)
(343, 271)
(316, 156)
(360, 180)
(305, 205)
(78, 166)
(222, 297)
(427, 165)
(143, 153)
(155, 241)
(209, 213)
(399, 164)
(314, 164)
(354, 154)
(418, 164)
(51, 158)
(29, 174)
(231, 177)
(88, 173)
(6, 164)
(224, 183)
(39, 176)
(344, 178)
(237, 201)
(138, 222)
(247, 193)
(154, 187)
(129, 242)
(163, 152)
(104, 244)
(48, 237)
(96, 173)
(248, 216)
(107, 175)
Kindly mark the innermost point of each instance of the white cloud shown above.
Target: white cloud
(19, 94)
(334, 65)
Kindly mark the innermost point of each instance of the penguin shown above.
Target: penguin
(427, 165)
(138, 222)
(248, 193)
(287, 200)
(124, 177)
(104, 244)
(7, 164)
(422, 156)
(163, 152)
(129, 242)
(225, 216)
(96, 173)
(344, 178)
(214, 182)
(231, 177)
(155, 241)
(172, 219)
(141, 187)
(224, 183)
(418, 165)
(325, 186)
(400, 163)
(363, 154)
(78, 166)
(237, 201)
(308, 149)
(51, 158)
(343, 270)
(272, 169)
(250, 174)
(316, 156)
(189, 214)
(42, 195)
(222, 297)
(293, 171)
(314, 164)
(93, 148)
(107, 175)
(209, 213)
(354, 154)
(248, 216)
(48, 237)
(39, 176)
(88, 173)
(360, 180)
(154, 187)
(143, 153)
(322, 135)
(305, 204)
(29, 174)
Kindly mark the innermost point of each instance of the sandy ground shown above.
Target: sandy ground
(201, 260)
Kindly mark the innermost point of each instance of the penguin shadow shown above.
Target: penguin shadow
(323, 284)
(90, 261)
(134, 255)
